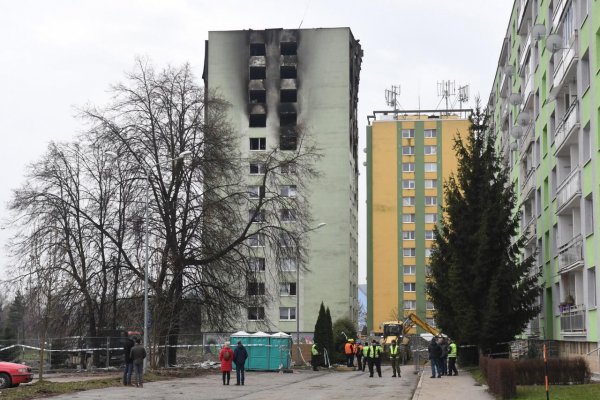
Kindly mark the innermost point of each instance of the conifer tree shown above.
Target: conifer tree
(320, 336)
(483, 290)
(329, 341)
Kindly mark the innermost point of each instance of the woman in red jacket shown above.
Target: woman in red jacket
(226, 357)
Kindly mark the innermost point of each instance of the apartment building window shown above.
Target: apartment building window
(258, 120)
(427, 252)
(408, 167)
(553, 183)
(288, 72)
(408, 184)
(288, 168)
(430, 167)
(287, 313)
(410, 269)
(408, 133)
(589, 214)
(286, 239)
(430, 150)
(408, 150)
(288, 264)
(408, 201)
(410, 304)
(257, 168)
(409, 252)
(538, 153)
(257, 240)
(430, 183)
(256, 288)
(257, 49)
(288, 215)
(429, 235)
(431, 322)
(288, 48)
(258, 144)
(430, 133)
(585, 71)
(591, 279)
(256, 264)
(554, 240)
(287, 288)
(429, 306)
(256, 313)
(430, 200)
(288, 191)
(408, 218)
(255, 216)
(410, 287)
(254, 192)
(587, 144)
(408, 235)
(430, 218)
(538, 201)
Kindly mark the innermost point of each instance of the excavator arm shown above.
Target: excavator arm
(413, 320)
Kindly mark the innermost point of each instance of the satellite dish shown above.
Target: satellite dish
(364, 163)
(509, 70)
(513, 146)
(516, 131)
(515, 98)
(524, 118)
(554, 43)
(538, 31)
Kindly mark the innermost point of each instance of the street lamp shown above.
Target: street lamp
(319, 226)
(147, 238)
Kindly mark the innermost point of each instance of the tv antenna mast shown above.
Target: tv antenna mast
(391, 97)
(445, 89)
(463, 95)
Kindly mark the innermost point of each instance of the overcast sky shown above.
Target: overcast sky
(57, 55)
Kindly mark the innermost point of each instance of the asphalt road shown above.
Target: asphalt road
(302, 384)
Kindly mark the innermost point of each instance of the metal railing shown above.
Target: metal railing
(572, 318)
(567, 125)
(528, 183)
(565, 58)
(559, 7)
(568, 189)
(570, 253)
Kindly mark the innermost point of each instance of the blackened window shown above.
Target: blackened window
(288, 119)
(256, 313)
(256, 288)
(257, 96)
(257, 49)
(288, 96)
(258, 73)
(289, 48)
(258, 143)
(288, 72)
(258, 120)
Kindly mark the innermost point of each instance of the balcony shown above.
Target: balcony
(524, 10)
(572, 319)
(527, 90)
(567, 126)
(529, 230)
(524, 52)
(505, 108)
(559, 7)
(568, 191)
(526, 139)
(565, 63)
(570, 255)
(528, 184)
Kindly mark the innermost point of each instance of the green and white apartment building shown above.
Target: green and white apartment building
(546, 112)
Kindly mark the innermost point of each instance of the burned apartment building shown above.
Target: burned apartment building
(275, 81)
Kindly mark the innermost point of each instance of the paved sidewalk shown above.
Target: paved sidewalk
(459, 387)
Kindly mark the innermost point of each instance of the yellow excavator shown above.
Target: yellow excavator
(399, 331)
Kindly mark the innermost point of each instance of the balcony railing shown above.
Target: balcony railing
(568, 189)
(559, 7)
(572, 318)
(570, 254)
(567, 126)
(526, 139)
(566, 57)
(522, 10)
(527, 88)
(524, 51)
(528, 183)
(529, 229)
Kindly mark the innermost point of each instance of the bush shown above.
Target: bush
(501, 377)
(561, 371)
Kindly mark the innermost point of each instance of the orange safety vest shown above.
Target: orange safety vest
(348, 348)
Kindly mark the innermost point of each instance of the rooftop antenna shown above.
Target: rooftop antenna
(445, 89)
(391, 97)
(463, 95)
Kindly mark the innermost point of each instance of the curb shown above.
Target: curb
(417, 391)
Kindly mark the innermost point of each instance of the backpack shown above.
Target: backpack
(227, 355)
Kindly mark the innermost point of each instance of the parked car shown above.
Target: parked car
(11, 374)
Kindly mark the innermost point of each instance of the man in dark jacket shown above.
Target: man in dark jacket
(128, 361)
(138, 353)
(435, 353)
(239, 358)
(444, 358)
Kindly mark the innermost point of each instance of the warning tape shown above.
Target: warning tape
(24, 346)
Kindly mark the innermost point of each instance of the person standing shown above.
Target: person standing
(314, 360)
(435, 352)
(137, 354)
(359, 354)
(349, 352)
(444, 357)
(128, 361)
(395, 359)
(452, 352)
(366, 350)
(239, 358)
(375, 351)
(226, 358)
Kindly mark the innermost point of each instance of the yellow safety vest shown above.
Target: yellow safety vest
(375, 351)
(314, 350)
(394, 351)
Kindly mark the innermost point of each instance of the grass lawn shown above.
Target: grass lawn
(561, 392)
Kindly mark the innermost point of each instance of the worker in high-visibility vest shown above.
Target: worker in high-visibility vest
(395, 358)
(349, 352)
(314, 360)
(375, 351)
(452, 353)
(366, 350)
